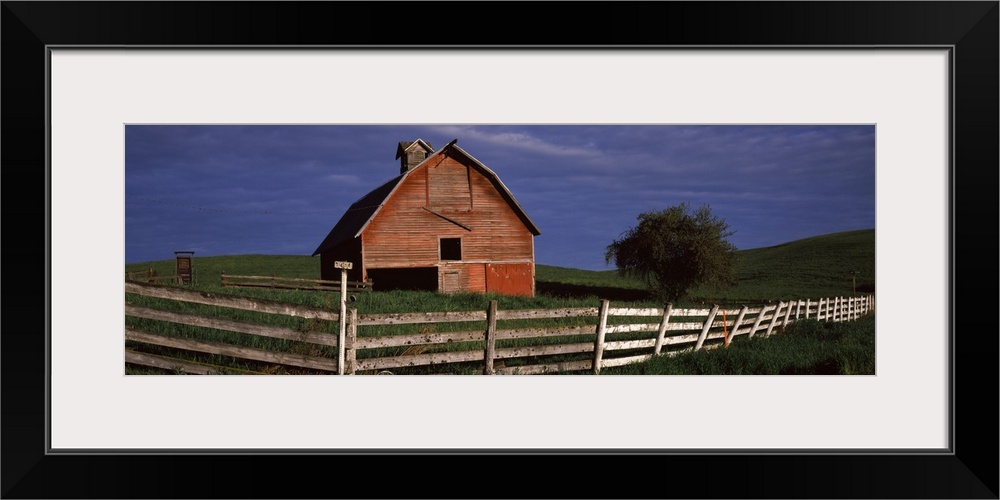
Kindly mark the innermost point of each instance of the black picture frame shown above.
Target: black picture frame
(970, 29)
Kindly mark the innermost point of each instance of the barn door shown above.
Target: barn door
(451, 281)
(509, 279)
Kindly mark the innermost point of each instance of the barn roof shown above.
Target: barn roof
(361, 212)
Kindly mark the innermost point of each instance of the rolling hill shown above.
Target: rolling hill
(820, 266)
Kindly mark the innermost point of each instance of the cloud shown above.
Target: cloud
(521, 139)
(343, 179)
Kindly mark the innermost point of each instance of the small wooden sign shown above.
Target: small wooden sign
(343, 265)
(184, 268)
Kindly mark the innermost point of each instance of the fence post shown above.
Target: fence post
(725, 328)
(341, 337)
(352, 336)
(739, 319)
(491, 337)
(808, 303)
(664, 323)
(788, 316)
(798, 308)
(708, 325)
(602, 324)
(756, 323)
(774, 319)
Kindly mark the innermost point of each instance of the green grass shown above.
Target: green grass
(555, 274)
(208, 269)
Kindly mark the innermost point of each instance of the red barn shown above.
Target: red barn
(446, 223)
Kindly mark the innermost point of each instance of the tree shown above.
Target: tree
(674, 250)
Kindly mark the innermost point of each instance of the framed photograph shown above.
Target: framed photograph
(920, 76)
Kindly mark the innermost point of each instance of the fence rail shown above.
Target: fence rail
(233, 280)
(519, 341)
(150, 276)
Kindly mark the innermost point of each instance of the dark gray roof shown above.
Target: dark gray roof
(357, 216)
(362, 211)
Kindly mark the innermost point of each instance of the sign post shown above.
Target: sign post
(341, 340)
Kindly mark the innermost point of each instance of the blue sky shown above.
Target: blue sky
(263, 189)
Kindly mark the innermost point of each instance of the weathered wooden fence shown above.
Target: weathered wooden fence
(233, 280)
(150, 276)
(496, 341)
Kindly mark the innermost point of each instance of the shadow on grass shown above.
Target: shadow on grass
(582, 291)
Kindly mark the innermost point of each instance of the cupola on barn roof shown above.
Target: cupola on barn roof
(411, 154)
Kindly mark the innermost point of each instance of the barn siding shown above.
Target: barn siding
(402, 234)
(505, 237)
(448, 186)
(477, 276)
(405, 234)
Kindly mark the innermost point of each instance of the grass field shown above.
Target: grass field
(810, 268)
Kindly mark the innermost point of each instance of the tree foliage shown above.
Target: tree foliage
(675, 250)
